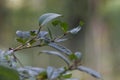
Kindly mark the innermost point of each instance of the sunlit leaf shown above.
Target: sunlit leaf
(57, 54)
(60, 48)
(8, 73)
(75, 30)
(45, 18)
(89, 71)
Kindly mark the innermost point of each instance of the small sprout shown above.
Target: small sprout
(72, 56)
(33, 33)
(64, 26)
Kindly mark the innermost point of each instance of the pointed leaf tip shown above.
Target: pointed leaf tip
(45, 18)
(89, 71)
(75, 30)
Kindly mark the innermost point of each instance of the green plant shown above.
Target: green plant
(39, 38)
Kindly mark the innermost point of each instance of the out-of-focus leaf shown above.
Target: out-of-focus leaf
(72, 57)
(60, 40)
(60, 48)
(75, 30)
(42, 34)
(33, 33)
(57, 54)
(32, 41)
(64, 26)
(82, 23)
(56, 22)
(50, 33)
(28, 72)
(42, 76)
(78, 55)
(72, 79)
(45, 18)
(8, 73)
(23, 34)
(22, 40)
(57, 73)
(89, 71)
(67, 75)
(50, 71)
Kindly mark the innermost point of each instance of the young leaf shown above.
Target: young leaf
(75, 30)
(64, 26)
(8, 73)
(60, 48)
(45, 18)
(72, 57)
(22, 40)
(89, 71)
(82, 23)
(50, 33)
(67, 75)
(56, 22)
(57, 54)
(33, 33)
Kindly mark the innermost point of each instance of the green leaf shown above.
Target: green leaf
(72, 57)
(21, 40)
(67, 75)
(33, 33)
(82, 23)
(8, 73)
(42, 75)
(56, 22)
(64, 26)
(32, 41)
(45, 18)
(50, 33)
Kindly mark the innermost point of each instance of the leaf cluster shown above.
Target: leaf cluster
(40, 38)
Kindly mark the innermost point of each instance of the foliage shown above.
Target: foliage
(39, 38)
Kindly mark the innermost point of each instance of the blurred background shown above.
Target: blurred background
(99, 39)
